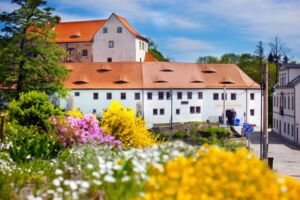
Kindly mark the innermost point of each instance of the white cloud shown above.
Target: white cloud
(137, 10)
(186, 49)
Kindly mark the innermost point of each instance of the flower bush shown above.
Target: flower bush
(75, 130)
(74, 112)
(126, 127)
(119, 174)
(218, 174)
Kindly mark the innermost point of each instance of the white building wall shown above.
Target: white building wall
(285, 123)
(86, 103)
(208, 107)
(293, 73)
(124, 43)
(141, 47)
(297, 113)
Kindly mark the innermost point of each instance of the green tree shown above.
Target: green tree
(33, 109)
(259, 52)
(152, 49)
(30, 58)
(229, 58)
(278, 50)
(208, 59)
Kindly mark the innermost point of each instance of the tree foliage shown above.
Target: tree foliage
(29, 57)
(156, 53)
(278, 51)
(33, 109)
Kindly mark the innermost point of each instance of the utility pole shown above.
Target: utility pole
(265, 114)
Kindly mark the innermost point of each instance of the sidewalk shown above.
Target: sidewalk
(286, 155)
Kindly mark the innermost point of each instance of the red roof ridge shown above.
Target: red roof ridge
(80, 21)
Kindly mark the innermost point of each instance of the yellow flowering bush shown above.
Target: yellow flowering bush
(218, 174)
(122, 123)
(75, 112)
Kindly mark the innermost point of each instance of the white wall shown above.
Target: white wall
(297, 112)
(289, 114)
(124, 43)
(140, 51)
(209, 107)
(86, 103)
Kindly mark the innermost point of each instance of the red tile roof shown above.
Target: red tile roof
(86, 30)
(149, 58)
(153, 75)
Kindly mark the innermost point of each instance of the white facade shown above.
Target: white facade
(109, 45)
(286, 112)
(157, 110)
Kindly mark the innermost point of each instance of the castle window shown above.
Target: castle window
(77, 94)
(200, 95)
(216, 96)
(137, 96)
(111, 44)
(123, 95)
(84, 52)
(108, 96)
(119, 30)
(95, 96)
(109, 59)
(104, 29)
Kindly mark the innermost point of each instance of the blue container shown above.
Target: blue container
(237, 122)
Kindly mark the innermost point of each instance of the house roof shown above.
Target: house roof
(154, 75)
(294, 82)
(149, 58)
(84, 31)
(286, 66)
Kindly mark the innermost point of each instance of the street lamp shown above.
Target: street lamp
(225, 81)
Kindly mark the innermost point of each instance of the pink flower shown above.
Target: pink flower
(82, 130)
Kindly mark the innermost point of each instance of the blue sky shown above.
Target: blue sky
(187, 29)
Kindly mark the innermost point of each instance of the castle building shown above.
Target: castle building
(108, 59)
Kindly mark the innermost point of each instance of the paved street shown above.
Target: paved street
(286, 156)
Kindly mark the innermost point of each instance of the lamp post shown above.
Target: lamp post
(171, 117)
(224, 109)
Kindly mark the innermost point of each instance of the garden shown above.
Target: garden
(48, 153)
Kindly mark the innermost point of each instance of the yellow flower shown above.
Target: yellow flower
(126, 127)
(218, 174)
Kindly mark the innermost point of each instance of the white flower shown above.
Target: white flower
(97, 182)
(28, 157)
(109, 179)
(96, 174)
(56, 182)
(58, 172)
(60, 190)
(73, 185)
(85, 184)
(90, 166)
(125, 179)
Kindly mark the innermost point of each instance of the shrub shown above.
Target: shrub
(27, 143)
(33, 109)
(220, 132)
(75, 130)
(218, 174)
(122, 123)
(179, 135)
